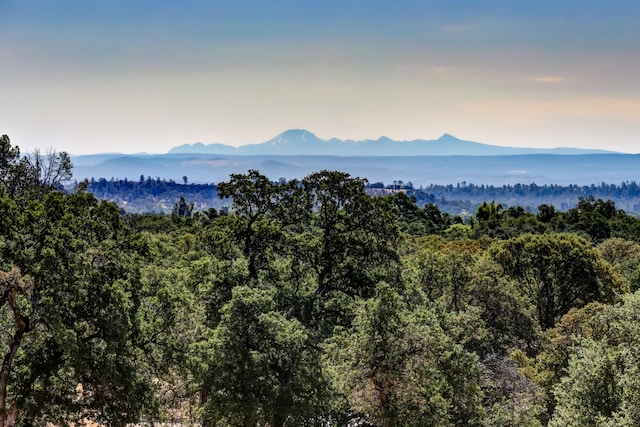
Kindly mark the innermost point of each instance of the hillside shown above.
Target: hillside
(421, 170)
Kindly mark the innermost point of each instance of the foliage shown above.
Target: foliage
(601, 387)
(312, 303)
(625, 255)
(261, 366)
(402, 368)
(32, 175)
(73, 291)
(511, 399)
(558, 272)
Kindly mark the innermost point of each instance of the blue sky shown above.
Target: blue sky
(95, 76)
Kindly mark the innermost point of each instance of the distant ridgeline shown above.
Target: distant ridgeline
(303, 142)
(298, 153)
(155, 195)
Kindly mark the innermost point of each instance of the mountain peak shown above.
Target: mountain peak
(448, 137)
(297, 133)
(293, 136)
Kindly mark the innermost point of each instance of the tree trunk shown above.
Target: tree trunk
(8, 418)
(283, 402)
(12, 416)
(279, 419)
(249, 420)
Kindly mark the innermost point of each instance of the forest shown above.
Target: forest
(156, 195)
(311, 303)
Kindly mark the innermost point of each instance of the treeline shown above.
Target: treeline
(626, 195)
(456, 198)
(156, 195)
(152, 195)
(313, 303)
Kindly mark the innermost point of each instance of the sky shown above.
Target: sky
(87, 76)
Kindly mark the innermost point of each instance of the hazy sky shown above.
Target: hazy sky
(146, 75)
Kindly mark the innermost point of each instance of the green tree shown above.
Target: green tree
(9, 155)
(32, 175)
(490, 216)
(440, 275)
(546, 213)
(182, 208)
(348, 245)
(592, 217)
(397, 367)
(624, 254)
(357, 235)
(255, 199)
(602, 386)
(510, 398)
(261, 366)
(548, 365)
(417, 221)
(461, 283)
(558, 272)
(508, 316)
(69, 297)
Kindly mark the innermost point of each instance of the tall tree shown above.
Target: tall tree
(262, 369)
(69, 295)
(558, 272)
(8, 155)
(357, 235)
(254, 202)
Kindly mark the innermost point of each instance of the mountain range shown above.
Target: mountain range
(303, 142)
(297, 153)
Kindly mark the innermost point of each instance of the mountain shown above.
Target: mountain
(303, 142)
(199, 147)
(297, 153)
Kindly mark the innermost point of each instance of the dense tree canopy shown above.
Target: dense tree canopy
(558, 272)
(311, 302)
(71, 287)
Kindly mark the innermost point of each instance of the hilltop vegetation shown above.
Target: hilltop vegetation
(155, 195)
(311, 302)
